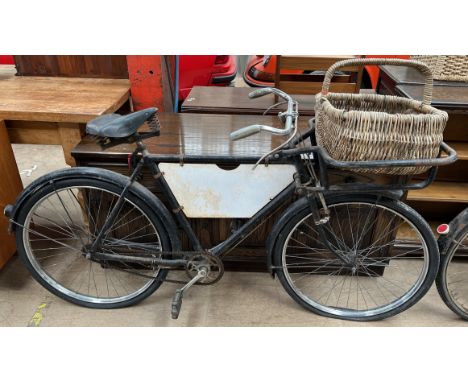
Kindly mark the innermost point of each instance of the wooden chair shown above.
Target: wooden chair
(350, 82)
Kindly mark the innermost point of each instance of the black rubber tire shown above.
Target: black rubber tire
(441, 280)
(108, 181)
(303, 209)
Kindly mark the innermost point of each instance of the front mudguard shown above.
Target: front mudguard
(455, 226)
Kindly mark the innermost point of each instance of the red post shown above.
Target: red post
(146, 82)
(7, 60)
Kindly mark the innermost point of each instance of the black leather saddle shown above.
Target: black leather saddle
(119, 126)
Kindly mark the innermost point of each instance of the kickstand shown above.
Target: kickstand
(179, 294)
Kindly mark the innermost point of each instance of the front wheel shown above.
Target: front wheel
(375, 258)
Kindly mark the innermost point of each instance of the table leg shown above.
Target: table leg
(10, 187)
(70, 135)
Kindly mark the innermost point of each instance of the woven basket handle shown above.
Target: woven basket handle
(423, 68)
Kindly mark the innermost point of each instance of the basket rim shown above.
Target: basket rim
(323, 101)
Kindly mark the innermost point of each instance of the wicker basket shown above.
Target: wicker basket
(363, 127)
(446, 68)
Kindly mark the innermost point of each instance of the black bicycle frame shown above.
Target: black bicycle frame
(290, 155)
(146, 160)
(237, 235)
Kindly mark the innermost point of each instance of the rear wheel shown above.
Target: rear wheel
(452, 280)
(57, 225)
(376, 258)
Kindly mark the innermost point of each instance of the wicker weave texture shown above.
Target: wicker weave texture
(362, 127)
(446, 68)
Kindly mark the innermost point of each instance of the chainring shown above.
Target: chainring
(212, 263)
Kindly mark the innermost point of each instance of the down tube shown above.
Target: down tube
(247, 228)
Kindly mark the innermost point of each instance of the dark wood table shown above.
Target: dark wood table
(231, 100)
(188, 137)
(446, 95)
(452, 98)
(392, 76)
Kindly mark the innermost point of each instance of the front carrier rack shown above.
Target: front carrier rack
(325, 162)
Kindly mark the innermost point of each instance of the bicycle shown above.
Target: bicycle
(451, 279)
(101, 240)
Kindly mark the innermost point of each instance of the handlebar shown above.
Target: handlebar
(245, 132)
(290, 114)
(264, 91)
(260, 92)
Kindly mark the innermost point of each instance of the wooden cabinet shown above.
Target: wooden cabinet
(448, 195)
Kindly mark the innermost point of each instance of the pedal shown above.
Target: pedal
(176, 304)
(179, 294)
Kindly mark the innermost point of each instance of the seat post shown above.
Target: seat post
(141, 148)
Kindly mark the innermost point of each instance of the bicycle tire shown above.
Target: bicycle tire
(330, 268)
(453, 295)
(89, 181)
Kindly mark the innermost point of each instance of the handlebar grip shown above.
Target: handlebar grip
(260, 92)
(245, 132)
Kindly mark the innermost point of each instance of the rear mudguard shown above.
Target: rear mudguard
(293, 210)
(11, 211)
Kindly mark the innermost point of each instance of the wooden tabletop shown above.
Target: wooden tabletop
(232, 100)
(54, 99)
(453, 98)
(191, 137)
(407, 75)
(402, 74)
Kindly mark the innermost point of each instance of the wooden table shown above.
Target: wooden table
(52, 110)
(452, 98)
(231, 100)
(46, 110)
(391, 76)
(189, 136)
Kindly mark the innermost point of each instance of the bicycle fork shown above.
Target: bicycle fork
(321, 220)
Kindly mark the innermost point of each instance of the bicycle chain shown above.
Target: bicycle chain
(155, 278)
